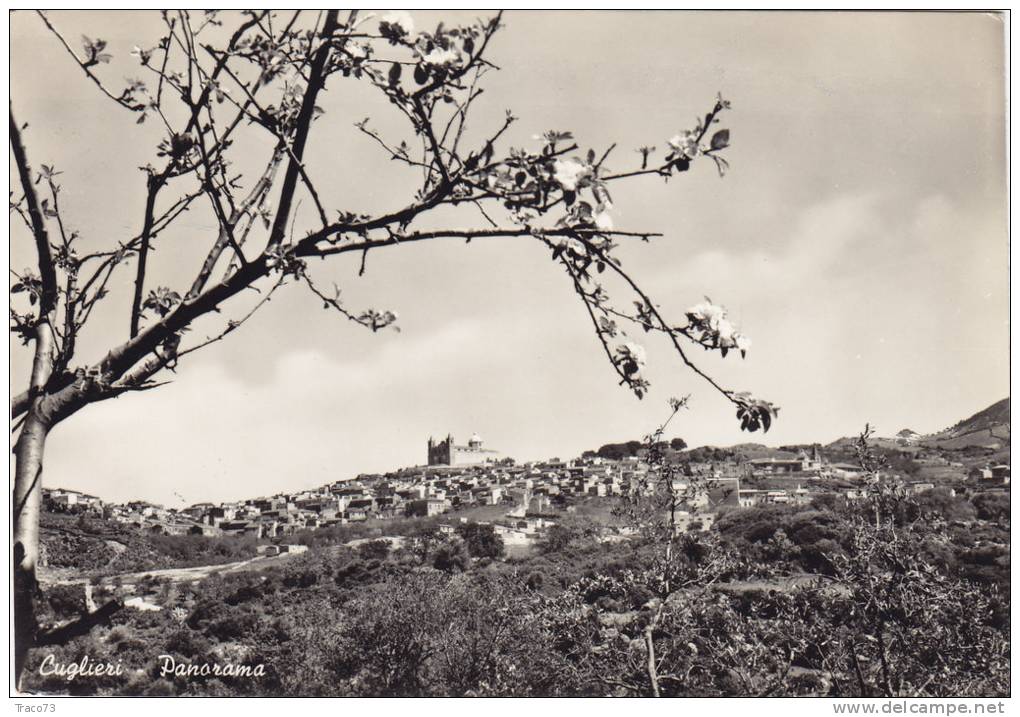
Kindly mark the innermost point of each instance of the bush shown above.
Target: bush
(374, 550)
(991, 506)
(187, 643)
(482, 541)
(451, 556)
(232, 627)
(65, 601)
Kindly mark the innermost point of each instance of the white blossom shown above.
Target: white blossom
(574, 245)
(726, 331)
(685, 143)
(715, 328)
(442, 58)
(401, 19)
(636, 353)
(569, 173)
(602, 219)
(709, 314)
(356, 50)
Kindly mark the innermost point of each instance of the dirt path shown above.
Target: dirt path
(179, 575)
(176, 575)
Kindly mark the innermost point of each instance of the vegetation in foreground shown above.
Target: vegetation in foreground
(814, 600)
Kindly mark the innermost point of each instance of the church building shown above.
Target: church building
(446, 453)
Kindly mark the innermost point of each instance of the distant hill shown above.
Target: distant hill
(845, 445)
(628, 449)
(987, 429)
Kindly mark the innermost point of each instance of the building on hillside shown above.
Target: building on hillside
(241, 527)
(844, 471)
(447, 453)
(61, 500)
(426, 507)
(1000, 473)
(775, 466)
(750, 497)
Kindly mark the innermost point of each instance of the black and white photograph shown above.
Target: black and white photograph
(510, 353)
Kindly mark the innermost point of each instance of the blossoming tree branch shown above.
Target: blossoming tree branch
(212, 89)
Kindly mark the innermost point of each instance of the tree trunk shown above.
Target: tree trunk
(27, 502)
(28, 453)
(653, 675)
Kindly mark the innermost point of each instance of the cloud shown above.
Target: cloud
(820, 238)
(212, 435)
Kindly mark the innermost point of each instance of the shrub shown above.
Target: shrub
(482, 541)
(451, 556)
(374, 550)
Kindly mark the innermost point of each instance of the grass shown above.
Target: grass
(597, 510)
(478, 513)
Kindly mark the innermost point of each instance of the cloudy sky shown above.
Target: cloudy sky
(859, 240)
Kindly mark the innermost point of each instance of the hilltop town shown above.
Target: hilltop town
(523, 499)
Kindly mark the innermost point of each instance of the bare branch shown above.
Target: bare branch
(316, 82)
(47, 270)
(233, 325)
(132, 106)
(226, 230)
(466, 234)
(153, 186)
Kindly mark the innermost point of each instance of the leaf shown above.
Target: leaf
(395, 70)
(421, 74)
(720, 139)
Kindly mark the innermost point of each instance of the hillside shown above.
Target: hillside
(988, 429)
(75, 545)
(846, 445)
